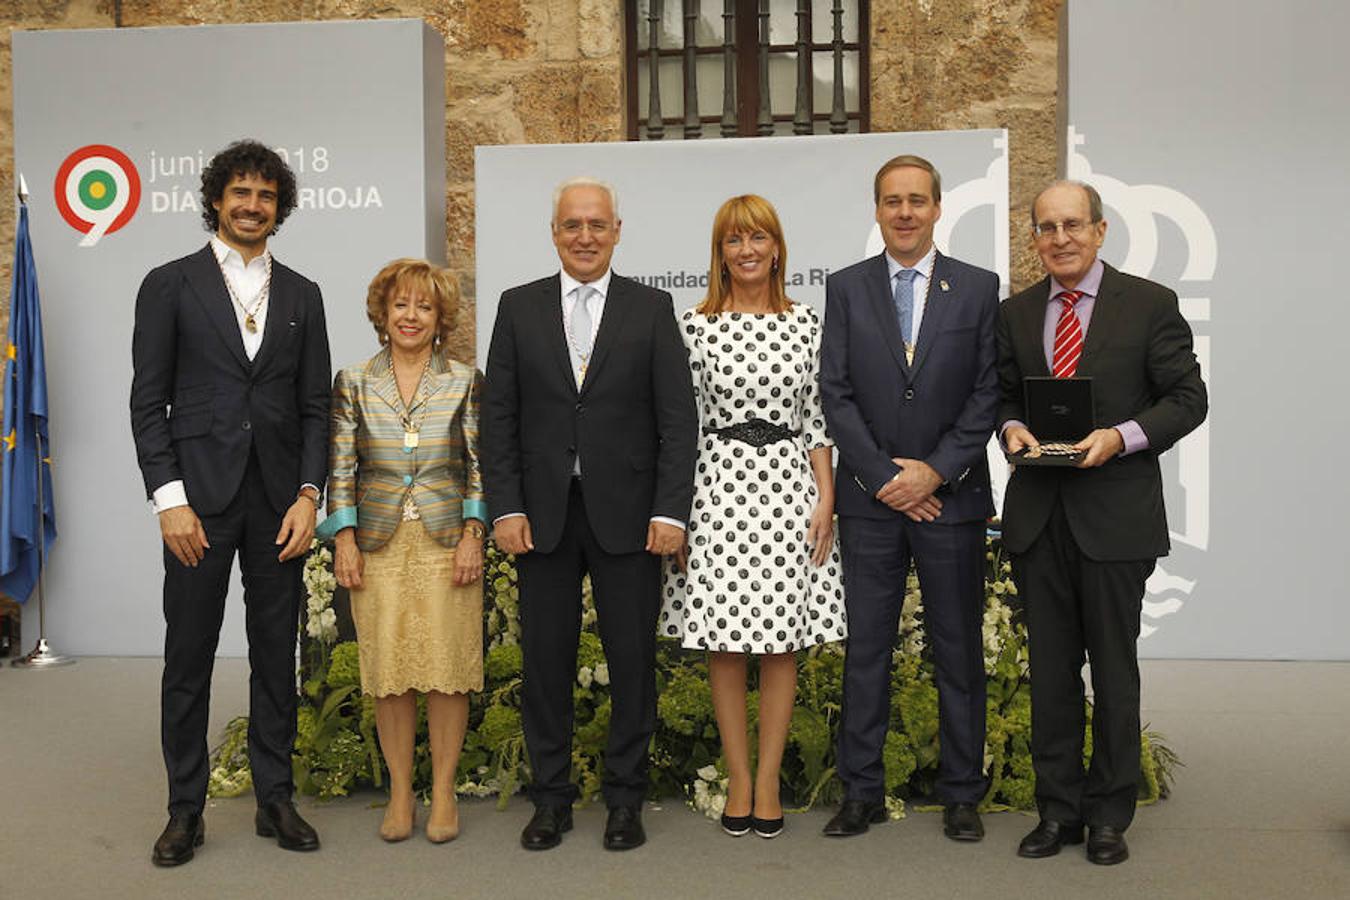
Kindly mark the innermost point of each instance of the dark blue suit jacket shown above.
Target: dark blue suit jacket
(198, 403)
(940, 409)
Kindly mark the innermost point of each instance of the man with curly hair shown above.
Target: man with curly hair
(229, 411)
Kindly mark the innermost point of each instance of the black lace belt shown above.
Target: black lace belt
(755, 432)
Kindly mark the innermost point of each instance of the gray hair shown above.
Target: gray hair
(1094, 198)
(584, 181)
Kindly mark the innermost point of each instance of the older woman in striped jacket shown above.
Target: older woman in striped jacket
(405, 502)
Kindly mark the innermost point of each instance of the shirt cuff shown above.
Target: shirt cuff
(669, 521)
(1133, 436)
(337, 520)
(169, 495)
(507, 516)
(474, 509)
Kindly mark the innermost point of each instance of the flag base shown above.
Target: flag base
(42, 657)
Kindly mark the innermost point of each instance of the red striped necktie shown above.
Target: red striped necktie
(1068, 337)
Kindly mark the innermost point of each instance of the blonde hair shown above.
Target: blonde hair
(740, 215)
(438, 284)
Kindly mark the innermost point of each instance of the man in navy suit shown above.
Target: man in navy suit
(229, 411)
(910, 389)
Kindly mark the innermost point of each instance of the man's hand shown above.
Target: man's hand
(926, 510)
(183, 534)
(512, 535)
(682, 556)
(1017, 437)
(912, 485)
(1102, 445)
(348, 563)
(664, 539)
(297, 529)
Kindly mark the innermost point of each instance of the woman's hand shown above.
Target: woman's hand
(820, 534)
(348, 564)
(468, 560)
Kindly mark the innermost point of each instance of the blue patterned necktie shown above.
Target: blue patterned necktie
(904, 303)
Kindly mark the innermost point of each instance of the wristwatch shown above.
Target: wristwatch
(310, 493)
(475, 529)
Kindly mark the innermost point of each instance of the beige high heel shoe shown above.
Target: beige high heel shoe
(393, 830)
(443, 827)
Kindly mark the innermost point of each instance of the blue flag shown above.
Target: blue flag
(24, 435)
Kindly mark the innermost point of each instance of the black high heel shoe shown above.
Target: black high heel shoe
(767, 828)
(737, 826)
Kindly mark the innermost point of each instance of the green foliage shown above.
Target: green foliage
(337, 749)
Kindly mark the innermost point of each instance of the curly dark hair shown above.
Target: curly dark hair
(246, 157)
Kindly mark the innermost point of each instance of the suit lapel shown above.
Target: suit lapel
(878, 284)
(549, 300)
(611, 323)
(380, 377)
(208, 283)
(281, 302)
(942, 293)
(1031, 329)
(1104, 312)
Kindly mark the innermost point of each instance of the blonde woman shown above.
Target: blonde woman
(405, 501)
(762, 574)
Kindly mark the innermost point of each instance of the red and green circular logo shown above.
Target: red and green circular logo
(97, 191)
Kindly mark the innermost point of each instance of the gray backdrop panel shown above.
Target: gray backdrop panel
(1208, 126)
(359, 109)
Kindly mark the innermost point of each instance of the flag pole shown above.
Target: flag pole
(42, 656)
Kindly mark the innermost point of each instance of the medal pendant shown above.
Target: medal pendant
(251, 324)
(410, 439)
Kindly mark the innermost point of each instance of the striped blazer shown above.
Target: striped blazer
(370, 470)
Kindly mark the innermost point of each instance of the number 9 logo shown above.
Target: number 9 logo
(97, 191)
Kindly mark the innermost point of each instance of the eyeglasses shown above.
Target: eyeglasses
(597, 227)
(1072, 228)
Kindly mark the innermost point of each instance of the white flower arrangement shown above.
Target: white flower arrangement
(710, 792)
(321, 620)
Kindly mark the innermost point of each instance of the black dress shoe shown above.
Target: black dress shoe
(184, 833)
(854, 817)
(1048, 837)
(623, 830)
(1106, 845)
(545, 830)
(767, 828)
(961, 822)
(736, 826)
(279, 819)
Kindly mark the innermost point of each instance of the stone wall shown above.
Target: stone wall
(551, 71)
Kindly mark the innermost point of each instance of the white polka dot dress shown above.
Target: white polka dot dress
(750, 586)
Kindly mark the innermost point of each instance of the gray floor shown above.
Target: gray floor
(1261, 810)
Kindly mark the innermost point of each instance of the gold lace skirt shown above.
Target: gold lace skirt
(415, 627)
